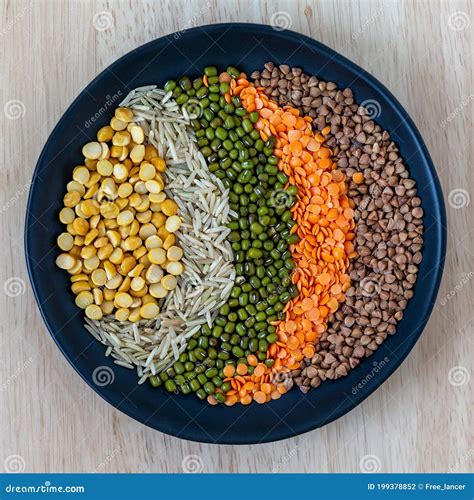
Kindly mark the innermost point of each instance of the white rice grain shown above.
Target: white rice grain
(203, 202)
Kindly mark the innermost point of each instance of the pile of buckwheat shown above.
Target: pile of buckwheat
(388, 214)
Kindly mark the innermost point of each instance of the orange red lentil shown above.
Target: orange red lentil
(325, 226)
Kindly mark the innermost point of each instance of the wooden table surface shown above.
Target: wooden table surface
(418, 421)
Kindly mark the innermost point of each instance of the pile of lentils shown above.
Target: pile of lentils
(388, 215)
(260, 237)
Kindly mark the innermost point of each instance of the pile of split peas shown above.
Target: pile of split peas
(119, 245)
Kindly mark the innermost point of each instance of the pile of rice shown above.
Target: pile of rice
(205, 285)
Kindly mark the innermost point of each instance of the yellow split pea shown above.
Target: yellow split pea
(119, 245)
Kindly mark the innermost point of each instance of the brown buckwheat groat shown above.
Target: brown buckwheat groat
(388, 215)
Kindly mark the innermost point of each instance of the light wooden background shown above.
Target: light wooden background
(419, 421)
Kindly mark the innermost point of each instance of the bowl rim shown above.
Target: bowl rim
(440, 249)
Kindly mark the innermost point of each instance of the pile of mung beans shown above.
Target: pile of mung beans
(260, 237)
(292, 231)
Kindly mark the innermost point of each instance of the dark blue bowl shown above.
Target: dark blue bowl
(247, 46)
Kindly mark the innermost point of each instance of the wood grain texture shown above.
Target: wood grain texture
(418, 421)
